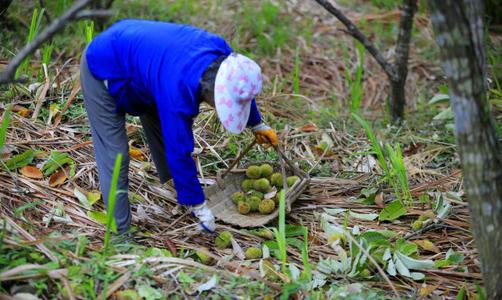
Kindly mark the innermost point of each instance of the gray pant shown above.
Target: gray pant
(109, 138)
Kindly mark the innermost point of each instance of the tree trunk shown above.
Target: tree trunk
(396, 72)
(397, 100)
(398, 82)
(458, 25)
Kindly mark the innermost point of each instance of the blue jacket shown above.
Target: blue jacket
(155, 63)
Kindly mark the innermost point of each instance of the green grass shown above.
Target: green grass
(296, 78)
(391, 162)
(280, 235)
(5, 124)
(111, 201)
(89, 31)
(36, 19)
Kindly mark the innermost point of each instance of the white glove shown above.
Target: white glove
(205, 216)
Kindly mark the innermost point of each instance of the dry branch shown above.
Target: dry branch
(73, 13)
(397, 71)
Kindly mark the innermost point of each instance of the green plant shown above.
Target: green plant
(46, 58)
(109, 213)
(89, 31)
(395, 175)
(280, 235)
(111, 201)
(36, 19)
(354, 82)
(399, 172)
(307, 267)
(5, 124)
(296, 79)
(375, 145)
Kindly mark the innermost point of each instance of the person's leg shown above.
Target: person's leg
(153, 133)
(109, 138)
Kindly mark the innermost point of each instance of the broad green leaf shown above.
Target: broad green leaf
(392, 211)
(149, 293)
(461, 294)
(100, 217)
(401, 267)
(367, 217)
(406, 248)
(294, 230)
(417, 275)
(20, 160)
(93, 196)
(415, 264)
(82, 198)
(439, 98)
(209, 285)
(446, 114)
(391, 268)
(385, 233)
(454, 257)
(153, 251)
(183, 277)
(295, 243)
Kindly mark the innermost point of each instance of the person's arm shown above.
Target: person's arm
(178, 141)
(254, 115)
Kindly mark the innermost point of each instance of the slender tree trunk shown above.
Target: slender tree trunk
(398, 82)
(458, 25)
(396, 72)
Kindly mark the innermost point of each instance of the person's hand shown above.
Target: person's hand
(265, 135)
(205, 216)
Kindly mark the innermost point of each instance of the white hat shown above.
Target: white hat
(237, 83)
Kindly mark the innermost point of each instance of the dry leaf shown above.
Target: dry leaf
(379, 200)
(58, 178)
(137, 154)
(31, 172)
(308, 128)
(427, 245)
(21, 110)
(426, 290)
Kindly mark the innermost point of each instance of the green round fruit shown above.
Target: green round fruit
(254, 193)
(253, 202)
(247, 185)
(266, 170)
(417, 225)
(253, 253)
(238, 197)
(266, 206)
(203, 257)
(276, 180)
(253, 172)
(262, 185)
(291, 180)
(244, 208)
(224, 239)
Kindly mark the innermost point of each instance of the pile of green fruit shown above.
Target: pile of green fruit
(260, 180)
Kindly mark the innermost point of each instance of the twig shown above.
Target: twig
(8, 75)
(46, 13)
(358, 35)
(41, 97)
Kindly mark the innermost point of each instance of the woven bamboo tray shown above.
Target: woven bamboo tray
(220, 202)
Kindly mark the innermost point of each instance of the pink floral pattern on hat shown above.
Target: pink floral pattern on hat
(238, 81)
